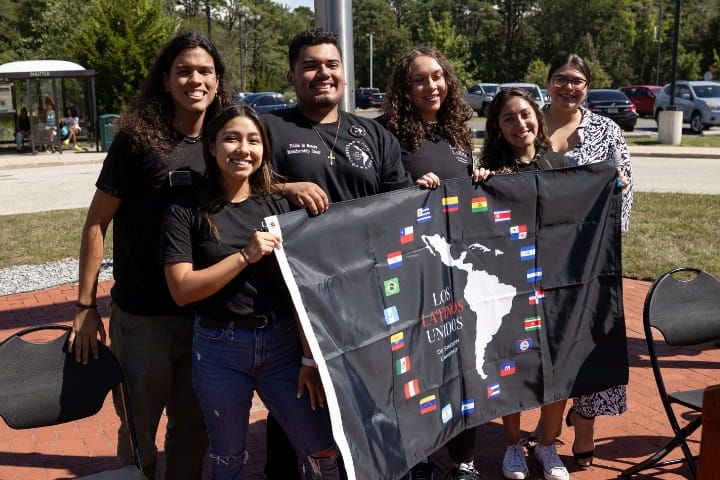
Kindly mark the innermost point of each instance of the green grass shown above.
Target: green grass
(667, 230)
(686, 141)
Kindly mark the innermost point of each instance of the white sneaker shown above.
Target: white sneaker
(514, 465)
(553, 467)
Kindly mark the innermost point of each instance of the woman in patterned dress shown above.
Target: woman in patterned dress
(585, 137)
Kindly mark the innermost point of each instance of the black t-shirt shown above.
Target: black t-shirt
(259, 288)
(437, 155)
(545, 160)
(146, 184)
(367, 157)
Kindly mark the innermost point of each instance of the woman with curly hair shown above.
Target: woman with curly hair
(156, 157)
(425, 110)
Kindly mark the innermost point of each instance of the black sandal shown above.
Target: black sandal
(580, 455)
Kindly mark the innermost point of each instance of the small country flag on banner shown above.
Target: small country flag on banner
(391, 315)
(397, 341)
(524, 345)
(446, 413)
(479, 204)
(394, 259)
(412, 388)
(507, 368)
(534, 274)
(451, 204)
(501, 216)
(536, 297)
(518, 232)
(527, 253)
(493, 390)
(467, 406)
(406, 234)
(428, 404)
(423, 215)
(533, 323)
(402, 365)
(392, 286)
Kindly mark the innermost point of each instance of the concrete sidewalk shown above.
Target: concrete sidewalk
(87, 446)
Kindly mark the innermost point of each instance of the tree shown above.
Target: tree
(119, 39)
(441, 35)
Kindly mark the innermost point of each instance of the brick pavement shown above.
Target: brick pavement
(87, 446)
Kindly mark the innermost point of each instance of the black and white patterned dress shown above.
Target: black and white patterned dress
(602, 140)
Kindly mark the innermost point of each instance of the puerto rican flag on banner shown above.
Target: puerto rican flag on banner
(473, 325)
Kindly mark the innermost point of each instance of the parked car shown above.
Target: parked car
(264, 102)
(366, 97)
(613, 104)
(698, 100)
(532, 88)
(479, 96)
(643, 96)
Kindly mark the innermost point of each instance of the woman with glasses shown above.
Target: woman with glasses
(585, 137)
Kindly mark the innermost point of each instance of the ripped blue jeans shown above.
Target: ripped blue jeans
(228, 365)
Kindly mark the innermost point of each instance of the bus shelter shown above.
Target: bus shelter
(69, 84)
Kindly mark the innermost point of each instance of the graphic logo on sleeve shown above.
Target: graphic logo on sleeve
(391, 315)
(450, 204)
(423, 215)
(357, 131)
(359, 155)
(527, 253)
(507, 369)
(394, 259)
(479, 204)
(538, 296)
(397, 341)
(428, 404)
(402, 365)
(392, 286)
(406, 234)
(518, 232)
(493, 390)
(501, 216)
(412, 388)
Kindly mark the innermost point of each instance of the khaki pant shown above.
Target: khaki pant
(155, 353)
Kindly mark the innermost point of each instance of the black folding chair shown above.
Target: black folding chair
(684, 306)
(42, 385)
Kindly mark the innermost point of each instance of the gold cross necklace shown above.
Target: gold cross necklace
(331, 156)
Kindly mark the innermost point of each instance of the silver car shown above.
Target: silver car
(479, 96)
(532, 88)
(698, 100)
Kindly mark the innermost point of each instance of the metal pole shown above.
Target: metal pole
(207, 12)
(658, 39)
(371, 58)
(336, 16)
(676, 41)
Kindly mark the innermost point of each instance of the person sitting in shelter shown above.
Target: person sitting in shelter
(46, 127)
(71, 124)
(23, 128)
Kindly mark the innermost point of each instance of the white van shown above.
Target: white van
(532, 88)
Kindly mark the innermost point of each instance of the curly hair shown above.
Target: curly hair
(147, 121)
(401, 118)
(313, 36)
(262, 182)
(496, 153)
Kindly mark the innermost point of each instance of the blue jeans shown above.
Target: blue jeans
(228, 365)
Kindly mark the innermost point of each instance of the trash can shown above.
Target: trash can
(108, 130)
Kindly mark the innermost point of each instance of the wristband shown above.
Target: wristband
(86, 306)
(244, 255)
(308, 362)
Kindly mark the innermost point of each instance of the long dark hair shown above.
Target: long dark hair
(400, 117)
(148, 119)
(497, 155)
(262, 182)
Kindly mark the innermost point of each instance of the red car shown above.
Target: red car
(643, 96)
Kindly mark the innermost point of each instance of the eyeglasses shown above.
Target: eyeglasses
(561, 80)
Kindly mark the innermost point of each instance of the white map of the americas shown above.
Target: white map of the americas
(484, 294)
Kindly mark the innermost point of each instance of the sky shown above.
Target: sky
(292, 4)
